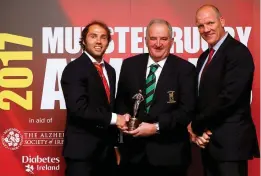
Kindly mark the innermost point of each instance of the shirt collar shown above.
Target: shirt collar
(160, 63)
(93, 60)
(219, 43)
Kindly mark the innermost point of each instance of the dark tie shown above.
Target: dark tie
(104, 81)
(150, 86)
(210, 55)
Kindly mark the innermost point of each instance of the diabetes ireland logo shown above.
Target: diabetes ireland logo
(29, 168)
(12, 139)
(34, 164)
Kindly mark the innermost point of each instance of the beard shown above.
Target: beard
(96, 55)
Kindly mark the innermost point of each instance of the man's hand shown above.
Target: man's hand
(193, 136)
(144, 129)
(203, 140)
(122, 120)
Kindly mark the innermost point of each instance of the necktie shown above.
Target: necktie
(210, 55)
(150, 86)
(104, 81)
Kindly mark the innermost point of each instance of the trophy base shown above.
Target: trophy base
(133, 124)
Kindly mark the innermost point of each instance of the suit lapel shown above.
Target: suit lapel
(163, 78)
(141, 78)
(201, 61)
(200, 64)
(141, 73)
(219, 52)
(91, 68)
(111, 82)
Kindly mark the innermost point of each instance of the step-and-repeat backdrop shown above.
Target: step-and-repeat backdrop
(38, 39)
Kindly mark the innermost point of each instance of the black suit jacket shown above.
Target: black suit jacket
(88, 133)
(223, 102)
(171, 146)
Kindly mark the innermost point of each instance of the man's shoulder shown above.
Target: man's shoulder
(233, 45)
(77, 64)
(108, 66)
(136, 58)
(178, 61)
(79, 60)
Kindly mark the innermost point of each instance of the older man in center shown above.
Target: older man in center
(160, 145)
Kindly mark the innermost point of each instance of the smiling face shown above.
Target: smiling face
(96, 41)
(158, 41)
(210, 25)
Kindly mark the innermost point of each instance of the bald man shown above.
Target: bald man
(223, 127)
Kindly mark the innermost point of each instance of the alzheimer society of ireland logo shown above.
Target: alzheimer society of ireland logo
(12, 139)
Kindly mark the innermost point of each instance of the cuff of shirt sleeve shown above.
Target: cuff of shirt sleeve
(113, 118)
(157, 127)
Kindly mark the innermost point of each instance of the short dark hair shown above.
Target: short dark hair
(86, 30)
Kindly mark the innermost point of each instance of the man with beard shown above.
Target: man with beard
(88, 85)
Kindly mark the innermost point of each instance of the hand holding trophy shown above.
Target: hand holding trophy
(134, 122)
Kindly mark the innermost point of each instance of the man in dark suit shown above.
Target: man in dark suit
(160, 145)
(88, 85)
(223, 123)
